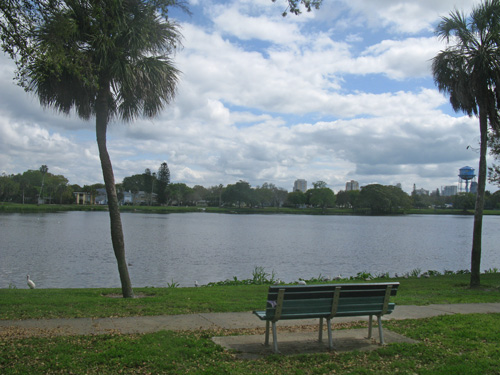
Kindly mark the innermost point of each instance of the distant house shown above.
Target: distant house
(83, 197)
(101, 196)
(128, 197)
(140, 198)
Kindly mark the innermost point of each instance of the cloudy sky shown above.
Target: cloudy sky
(341, 93)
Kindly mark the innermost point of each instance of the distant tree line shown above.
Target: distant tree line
(35, 186)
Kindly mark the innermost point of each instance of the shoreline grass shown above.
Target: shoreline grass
(48, 208)
(102, 302)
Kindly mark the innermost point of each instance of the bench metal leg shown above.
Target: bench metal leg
(330, 338)
(380, 332)
(370, 326)
(320, 334)
(275, 339)
(266, 341)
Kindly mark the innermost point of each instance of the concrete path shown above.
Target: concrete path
(146, 324)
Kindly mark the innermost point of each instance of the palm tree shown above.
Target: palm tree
(43, 170)
(469, 72)
(108, 59)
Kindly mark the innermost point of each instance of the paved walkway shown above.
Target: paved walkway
(145, 324)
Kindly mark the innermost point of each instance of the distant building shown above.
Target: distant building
(101, 196)
(351, 185)
(83, 197)
(421, 192)
(473, 187)
(300, 185)
(449, 191)
(128, 197)
(399, 186)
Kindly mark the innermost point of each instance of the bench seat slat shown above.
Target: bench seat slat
(294, 314)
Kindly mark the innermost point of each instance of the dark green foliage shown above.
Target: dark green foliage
(321, 197)
(296, 199)
(163, 179)
(294, 6)
(383, 199)
(464, 201)
(238, 194)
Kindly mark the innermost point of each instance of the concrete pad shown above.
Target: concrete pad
(252, 347)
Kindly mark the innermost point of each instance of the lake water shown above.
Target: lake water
(73, 249)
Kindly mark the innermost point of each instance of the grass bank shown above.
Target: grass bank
(457, 344)
(72, 303)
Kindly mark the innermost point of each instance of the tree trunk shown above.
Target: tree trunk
(109, 181)
(478, 213)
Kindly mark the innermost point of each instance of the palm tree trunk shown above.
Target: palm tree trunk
(478, 213)
(109, 181)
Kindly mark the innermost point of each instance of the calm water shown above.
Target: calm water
(73, 249)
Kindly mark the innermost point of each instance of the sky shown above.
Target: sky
(341, 93)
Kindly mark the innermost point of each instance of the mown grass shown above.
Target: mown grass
(458, 344)
(71, 303)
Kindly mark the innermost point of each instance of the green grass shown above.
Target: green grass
(458, 344)
(69, 303)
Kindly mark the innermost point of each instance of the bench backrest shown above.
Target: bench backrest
(327, 301)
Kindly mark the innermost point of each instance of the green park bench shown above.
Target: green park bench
(285, 302)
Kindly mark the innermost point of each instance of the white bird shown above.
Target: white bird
(302, 282)
(31, 284)
(196, 283)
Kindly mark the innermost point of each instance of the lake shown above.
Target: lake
(73, 249)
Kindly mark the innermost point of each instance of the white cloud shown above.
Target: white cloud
(270, 99)
(405, 16)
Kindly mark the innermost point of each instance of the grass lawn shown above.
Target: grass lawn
(458, 344)
(72, 303)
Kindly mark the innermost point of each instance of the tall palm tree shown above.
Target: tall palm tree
(468, 70)
(108, 59)
(43, 170)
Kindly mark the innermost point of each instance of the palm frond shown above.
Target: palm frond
(120, 46)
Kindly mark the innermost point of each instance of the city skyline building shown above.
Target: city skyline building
(351, 185)
(300, 185)
(448, 191)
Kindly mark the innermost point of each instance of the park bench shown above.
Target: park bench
(285, 302)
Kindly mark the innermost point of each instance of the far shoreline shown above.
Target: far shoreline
(53, 208)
